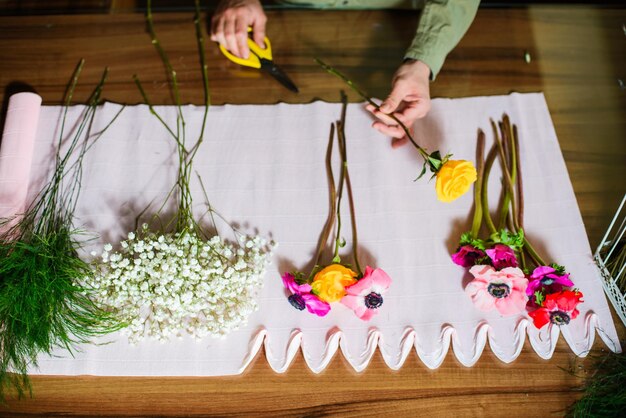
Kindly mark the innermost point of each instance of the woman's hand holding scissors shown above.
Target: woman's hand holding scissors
(230, 22)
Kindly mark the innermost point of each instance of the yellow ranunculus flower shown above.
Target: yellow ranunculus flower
(454, 178)
(329, 283)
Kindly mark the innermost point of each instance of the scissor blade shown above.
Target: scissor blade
(278, 74)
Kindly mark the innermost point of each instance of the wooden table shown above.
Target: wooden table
(577, 56)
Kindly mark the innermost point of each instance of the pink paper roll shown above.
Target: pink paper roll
(16, 153)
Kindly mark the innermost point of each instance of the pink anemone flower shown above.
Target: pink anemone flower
(504, 290)
(366, 296)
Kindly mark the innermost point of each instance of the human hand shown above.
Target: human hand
(408, 101)
(230, 22)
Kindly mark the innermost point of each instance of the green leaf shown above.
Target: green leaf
(300, 278)
(468, 239)
(539, 297)
(422, 173)
(559, 269)
(505, 237)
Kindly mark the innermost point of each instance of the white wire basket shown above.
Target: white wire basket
(612, 264)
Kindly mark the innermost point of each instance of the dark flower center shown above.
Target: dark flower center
(373, 300)
(559, 318)
(297, 301)
(498, 290)
(547, 281)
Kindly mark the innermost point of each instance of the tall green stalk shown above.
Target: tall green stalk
(184, 216)
(44, 302)
(478, 186)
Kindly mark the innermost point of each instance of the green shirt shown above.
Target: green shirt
(441, 26)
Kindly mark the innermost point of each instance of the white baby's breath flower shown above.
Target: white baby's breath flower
(165, 285)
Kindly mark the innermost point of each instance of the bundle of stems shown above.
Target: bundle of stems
(510, 223)
(335, 197)
(184, 220)
(432, 161)
(44, 302)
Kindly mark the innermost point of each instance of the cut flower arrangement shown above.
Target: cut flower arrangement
(46, 300)
(338, 282)
(179, 279)
(509, 275)
(454, 178)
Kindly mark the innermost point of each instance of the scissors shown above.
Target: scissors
(261, 59)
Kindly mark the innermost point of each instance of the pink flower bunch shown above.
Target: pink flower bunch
(550, 299)
(499, 256)
(364, 296)
(501, 264)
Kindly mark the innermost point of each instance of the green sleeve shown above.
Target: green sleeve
(441, 26)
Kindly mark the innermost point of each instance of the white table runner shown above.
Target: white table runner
(263, 169)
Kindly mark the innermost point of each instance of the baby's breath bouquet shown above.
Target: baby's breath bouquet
(453, 177)
(178, 279)
(44, 301)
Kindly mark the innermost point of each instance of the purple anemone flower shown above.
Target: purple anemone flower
(301, 297)
(502, 256)
(467, 255)
(546, 279)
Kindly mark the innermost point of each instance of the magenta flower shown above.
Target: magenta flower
(545, 279)
(301, 297)
(502, 256)
(467, 255)
(503, 289)
(366, 296)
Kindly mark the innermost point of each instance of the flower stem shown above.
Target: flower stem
(509, 197)
(341, 135)
(425, 155)
(331, 198)
(491, 156)
(480, 162)
(520, 188)
(533, 253)
(338, 241)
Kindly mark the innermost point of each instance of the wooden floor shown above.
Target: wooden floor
(577, 56)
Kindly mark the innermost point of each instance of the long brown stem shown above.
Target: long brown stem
(331, 198)
(341, 135)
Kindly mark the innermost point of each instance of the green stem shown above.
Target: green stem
(533, 253)
(520, 188)
(509, 197)
(164, 57)
(338, 243)
(425, 155)
(480, 162)
(522, 259)
(491, 156)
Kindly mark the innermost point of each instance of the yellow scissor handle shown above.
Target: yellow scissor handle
(255, 53)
